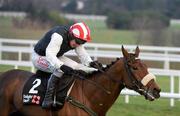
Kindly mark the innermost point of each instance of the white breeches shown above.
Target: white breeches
(41, 63)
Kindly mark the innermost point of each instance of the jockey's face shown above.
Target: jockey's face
(73, 44)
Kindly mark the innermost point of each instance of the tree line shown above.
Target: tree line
(122, 14)
(102, 7)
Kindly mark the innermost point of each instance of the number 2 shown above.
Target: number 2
(36, 83)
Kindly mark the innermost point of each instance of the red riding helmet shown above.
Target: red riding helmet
(80, 31)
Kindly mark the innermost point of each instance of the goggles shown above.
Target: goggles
(78, 41)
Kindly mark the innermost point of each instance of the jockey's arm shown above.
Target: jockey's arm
(52, 50)
(83, 55)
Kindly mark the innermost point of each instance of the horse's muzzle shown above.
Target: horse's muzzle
(156, 93)
(151, 95)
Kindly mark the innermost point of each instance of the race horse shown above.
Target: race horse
(94, 95)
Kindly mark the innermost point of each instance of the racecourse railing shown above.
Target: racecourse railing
(166, 55)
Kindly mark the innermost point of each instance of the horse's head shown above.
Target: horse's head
(138, 78)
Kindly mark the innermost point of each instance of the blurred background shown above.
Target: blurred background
(154, 25)
(143, 22)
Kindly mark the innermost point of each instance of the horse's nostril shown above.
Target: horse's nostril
(156, 92)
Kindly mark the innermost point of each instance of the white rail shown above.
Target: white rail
(150, 53)
(166, 55)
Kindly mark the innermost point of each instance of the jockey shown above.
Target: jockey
(48, 54)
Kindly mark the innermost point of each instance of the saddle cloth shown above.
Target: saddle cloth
(35, 88)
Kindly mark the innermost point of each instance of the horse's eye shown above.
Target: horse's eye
(134, 68)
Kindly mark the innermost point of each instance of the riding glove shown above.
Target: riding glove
(96, 64)
(67, 70)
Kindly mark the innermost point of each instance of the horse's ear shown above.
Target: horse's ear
(124, 51)
(137, 51)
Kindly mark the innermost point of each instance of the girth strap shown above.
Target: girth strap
(81, 106)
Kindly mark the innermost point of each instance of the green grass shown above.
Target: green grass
(5, 22)
(138, 106)
(4, 68)
(175, 26)
(113, 36)
(7, 30)
(99, 32)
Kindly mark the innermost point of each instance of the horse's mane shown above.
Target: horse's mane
(104, 69)
(131, 58)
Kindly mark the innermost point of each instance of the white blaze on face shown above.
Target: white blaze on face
(148, 78)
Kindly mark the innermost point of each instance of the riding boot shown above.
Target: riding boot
(48, 99)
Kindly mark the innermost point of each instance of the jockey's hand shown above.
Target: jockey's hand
(96, 64)
(67, 70)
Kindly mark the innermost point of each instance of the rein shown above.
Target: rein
(80, 105)
(92, 82)
(96, 84)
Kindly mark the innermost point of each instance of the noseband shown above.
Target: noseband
(138, 85)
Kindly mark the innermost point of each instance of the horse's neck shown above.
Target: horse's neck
(105, 90)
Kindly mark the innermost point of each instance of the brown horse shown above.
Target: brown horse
(97, 93)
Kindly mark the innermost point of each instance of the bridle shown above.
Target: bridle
(138, 85)
(135, 83)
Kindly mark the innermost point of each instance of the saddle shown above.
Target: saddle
(35, 88)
